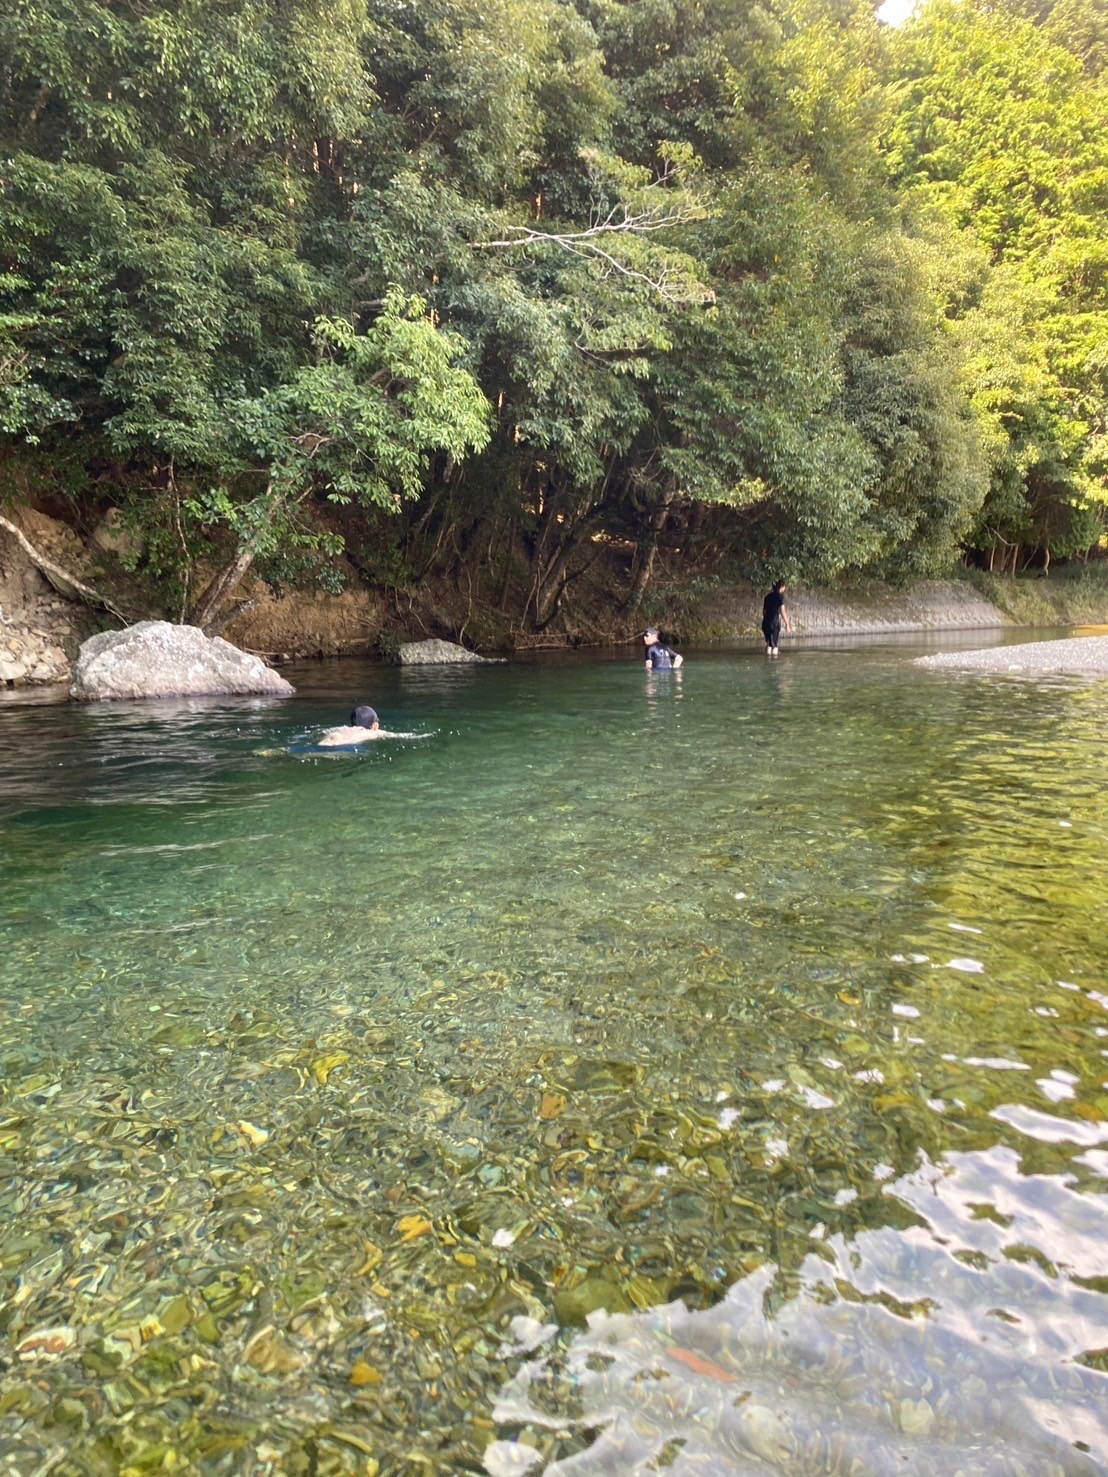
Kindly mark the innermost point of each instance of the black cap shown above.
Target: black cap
(363, 718)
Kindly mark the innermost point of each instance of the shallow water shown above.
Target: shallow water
(701, 1073)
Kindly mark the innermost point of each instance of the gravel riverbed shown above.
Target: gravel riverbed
(1076, 655)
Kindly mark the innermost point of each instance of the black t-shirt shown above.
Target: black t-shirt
(660, 657)
(771, 607)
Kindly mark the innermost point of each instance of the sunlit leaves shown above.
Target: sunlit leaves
(360, 421)
(657, 238)
(1000, 132)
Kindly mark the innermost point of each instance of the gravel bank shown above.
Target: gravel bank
(1078, 655)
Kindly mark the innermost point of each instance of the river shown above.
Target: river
(698, 1072)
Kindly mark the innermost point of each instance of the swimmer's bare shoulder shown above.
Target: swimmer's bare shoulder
(340, 737)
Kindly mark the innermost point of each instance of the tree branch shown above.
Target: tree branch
(42, 97)
(613, 224)
(216, 628)
(586, 243)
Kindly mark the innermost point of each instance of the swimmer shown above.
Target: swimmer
(364, 724)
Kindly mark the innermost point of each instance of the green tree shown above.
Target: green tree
(999, 132)
(356, 426)
(902, 391)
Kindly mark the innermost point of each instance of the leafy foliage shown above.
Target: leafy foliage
(270, 271)
(999, 132)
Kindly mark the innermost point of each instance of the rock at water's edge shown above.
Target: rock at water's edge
(428, 653)
(29, 657)
(158, 659)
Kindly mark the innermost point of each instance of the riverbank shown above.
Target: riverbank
(42, 622)
(929, 605)
(1079, 656)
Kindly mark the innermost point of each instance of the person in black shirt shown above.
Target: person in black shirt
(773, 614)
(659, 658)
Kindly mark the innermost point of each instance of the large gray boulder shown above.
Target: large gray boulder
(431, 653)
(159, 659)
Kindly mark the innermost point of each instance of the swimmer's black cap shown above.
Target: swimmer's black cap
(363, 718)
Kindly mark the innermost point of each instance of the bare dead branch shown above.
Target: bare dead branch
(618, 222)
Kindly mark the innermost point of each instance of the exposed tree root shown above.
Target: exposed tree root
(48, 567)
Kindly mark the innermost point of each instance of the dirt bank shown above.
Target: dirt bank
(303, 623)
(40, 627)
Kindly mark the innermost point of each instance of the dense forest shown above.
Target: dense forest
(319, 290)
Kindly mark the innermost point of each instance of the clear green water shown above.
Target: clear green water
(761, 1014)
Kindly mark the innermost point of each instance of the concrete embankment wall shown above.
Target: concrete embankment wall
(929, 605)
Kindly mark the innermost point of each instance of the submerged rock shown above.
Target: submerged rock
(428, 653)
(158, 659)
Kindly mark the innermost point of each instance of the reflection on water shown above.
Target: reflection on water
(941, 1347)
(704, 1071)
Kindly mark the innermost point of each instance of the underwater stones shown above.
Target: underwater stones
(157, 659)
(46, 1343)
(432, 653)
(763, 1432)
(597, 1293)
(916, 1416)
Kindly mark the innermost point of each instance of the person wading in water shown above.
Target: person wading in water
(659, 658)
(773, 615)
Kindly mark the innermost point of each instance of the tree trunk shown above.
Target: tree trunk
(643, 566)
(217, 627)
(550, 583)
(548, 590)
(224, 584)
(42, 97)
(506, 582)
(549, 514)
(566, 576)
(222, 587)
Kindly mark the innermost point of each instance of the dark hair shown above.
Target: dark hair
(779, 586)
(363, 718)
